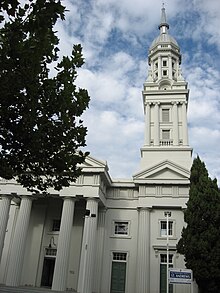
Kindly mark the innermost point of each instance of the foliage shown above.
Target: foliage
(40, 126)
(200, 242)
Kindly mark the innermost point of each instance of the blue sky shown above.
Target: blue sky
(116, 35)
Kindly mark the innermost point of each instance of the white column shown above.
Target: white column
(99, 251)
(4, 214)
(156, 125)
(63, 248)
(19, 241)
(147, 124)
(170, 71)
(159, 67)
(85, 280)
(177, 68)
(143, 252)
(175, 125)
(184, 124)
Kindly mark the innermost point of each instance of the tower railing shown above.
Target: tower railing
(166, 142)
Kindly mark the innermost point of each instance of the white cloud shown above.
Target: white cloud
(116, 36)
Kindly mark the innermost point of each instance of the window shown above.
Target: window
(121, 228)
(163, 259)
(56, 226)
(164, 62)
(118, 273)
(165, 115)
(163, 272)
(165, 134)
(163, 228)
(120, 256)
(164, 72)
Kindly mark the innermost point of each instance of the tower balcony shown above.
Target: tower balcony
(166, 142)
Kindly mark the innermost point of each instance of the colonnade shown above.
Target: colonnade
(16, 256)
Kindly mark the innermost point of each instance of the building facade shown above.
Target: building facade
(110, 236)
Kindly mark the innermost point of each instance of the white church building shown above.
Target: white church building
(102, 235)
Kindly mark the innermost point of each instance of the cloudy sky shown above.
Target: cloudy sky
(116, 35)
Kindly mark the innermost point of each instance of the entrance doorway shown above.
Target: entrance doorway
(48, 267)
(118, 274)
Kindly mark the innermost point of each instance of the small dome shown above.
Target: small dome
(164, 39)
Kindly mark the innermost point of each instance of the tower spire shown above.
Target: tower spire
(164, 26)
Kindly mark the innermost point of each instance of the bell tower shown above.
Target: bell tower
(165, 99)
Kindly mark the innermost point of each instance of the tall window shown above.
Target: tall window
(163, 228)
(165, 115)
(118, 274)
(163, 272)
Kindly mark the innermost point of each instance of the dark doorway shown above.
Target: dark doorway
(48, 270)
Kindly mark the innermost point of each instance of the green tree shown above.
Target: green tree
(200, 241)
(40, 127)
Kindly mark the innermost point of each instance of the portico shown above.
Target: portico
(54, 243)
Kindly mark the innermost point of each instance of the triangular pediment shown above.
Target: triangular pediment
(91, 162)
(163, 171)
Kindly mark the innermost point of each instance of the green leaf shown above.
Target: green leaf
(41, 134)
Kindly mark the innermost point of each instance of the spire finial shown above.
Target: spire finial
(163, 22)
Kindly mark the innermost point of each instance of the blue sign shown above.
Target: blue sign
(180, 276)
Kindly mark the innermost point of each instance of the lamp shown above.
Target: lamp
(51, 242)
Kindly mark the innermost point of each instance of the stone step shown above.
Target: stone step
(7, 289)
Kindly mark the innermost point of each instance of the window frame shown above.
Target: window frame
(117, 234)
(163, 231)
(123, 261)
(163, 265)
(165, 112)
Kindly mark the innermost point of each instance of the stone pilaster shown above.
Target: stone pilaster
(159, 67)
(63, 248)
(156, 126)
(147, 124)
(99, 250)
(143, 252)
(175, 125)
(4, 214)
(170, 71)
(86, 271)
(184, 124)
(19, 241)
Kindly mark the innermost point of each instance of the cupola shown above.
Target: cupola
(164, 55)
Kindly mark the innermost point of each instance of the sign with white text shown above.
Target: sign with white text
(180, 276)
